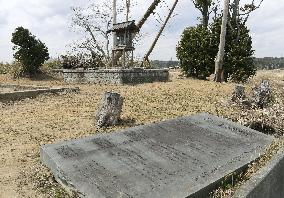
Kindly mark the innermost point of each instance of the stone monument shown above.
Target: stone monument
(239, 93)
(182, 157)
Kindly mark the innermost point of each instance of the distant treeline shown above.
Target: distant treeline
(261, 63)
(269, 63)
(164, 64)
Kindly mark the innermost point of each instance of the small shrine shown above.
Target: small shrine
(123, 70)
(123, 40)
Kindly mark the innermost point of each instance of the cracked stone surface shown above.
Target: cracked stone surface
(174, 158)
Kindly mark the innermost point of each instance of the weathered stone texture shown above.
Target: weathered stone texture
(239, 93)
(116, 76)
(182, 157)
(110, 110)
(262, 94)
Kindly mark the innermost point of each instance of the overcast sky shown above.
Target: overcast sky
(50, 20)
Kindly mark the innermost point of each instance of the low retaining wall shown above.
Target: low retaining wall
(268, 182)
(21, 92)
(20, 87)
(116, 76)
(56, 73)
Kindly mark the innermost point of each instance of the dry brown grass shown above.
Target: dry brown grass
(27, 124)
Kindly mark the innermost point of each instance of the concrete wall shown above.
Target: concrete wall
(56, 73)
(19, 95)
(21, 92)
(116, 76)
(268, 182)
(20, 87)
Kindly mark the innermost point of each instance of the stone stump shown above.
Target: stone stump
(110, 110)
(239, 93)
(262, 94)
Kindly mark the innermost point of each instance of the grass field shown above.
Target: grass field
(27, 124)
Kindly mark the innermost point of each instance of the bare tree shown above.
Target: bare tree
(247, 9)
(92, 22)
(219, 71)
(243, 11)
(146, 57)
(127, 9)
(205, 7)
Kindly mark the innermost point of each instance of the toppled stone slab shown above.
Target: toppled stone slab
(19, 92)
(182, 157)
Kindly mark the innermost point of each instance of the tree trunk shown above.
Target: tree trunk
(114, 21)
(114, 12)
(203, 6)
(235, 17)
(205, 15)
(127, 9)
(146, 58)
(110, 110)
(148, 13)
(219, 71)
(236, 5)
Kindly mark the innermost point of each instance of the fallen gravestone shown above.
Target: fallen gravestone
(183, 157)
(239, 96)
(239, 93)
(262, 94)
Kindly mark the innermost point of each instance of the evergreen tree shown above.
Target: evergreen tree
(198, 48)
(30, 52)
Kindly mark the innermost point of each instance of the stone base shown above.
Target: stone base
(183, 157)
(267, 182)
(116, 76)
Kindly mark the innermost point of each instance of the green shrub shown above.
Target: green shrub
(196, 52)
(52, 64)
(30, 52)
(5, 68)
(13, 68)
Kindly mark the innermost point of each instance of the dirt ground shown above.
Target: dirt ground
(6, 90)
(27, 124)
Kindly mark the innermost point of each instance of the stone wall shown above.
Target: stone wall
(116, 76)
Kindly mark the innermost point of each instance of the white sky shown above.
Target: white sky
(50, 20)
